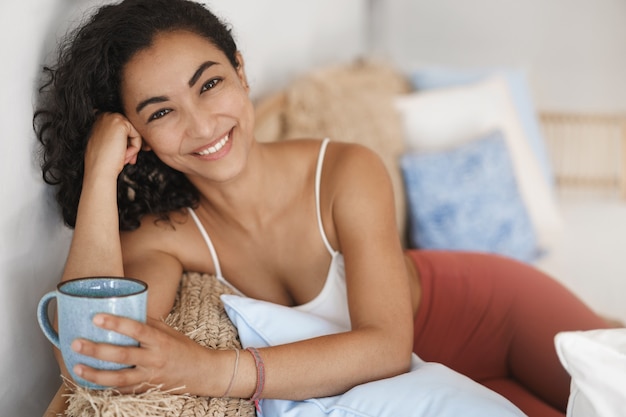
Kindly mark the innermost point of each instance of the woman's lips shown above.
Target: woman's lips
(213, 149)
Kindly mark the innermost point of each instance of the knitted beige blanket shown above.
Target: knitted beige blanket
(198, 313)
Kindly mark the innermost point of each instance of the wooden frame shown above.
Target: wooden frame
(57, 405)
(587, 151)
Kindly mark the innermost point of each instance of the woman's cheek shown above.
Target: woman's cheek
(164, 138)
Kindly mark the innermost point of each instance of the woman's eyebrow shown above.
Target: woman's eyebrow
(199, 72)
(192, 81)
(151, 100)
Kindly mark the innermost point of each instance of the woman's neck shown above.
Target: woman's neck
(247, 201)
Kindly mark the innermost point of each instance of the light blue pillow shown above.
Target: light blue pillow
(428, 390)
(441, 77)
(467, 198)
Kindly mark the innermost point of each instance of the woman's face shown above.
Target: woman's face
(190, 105)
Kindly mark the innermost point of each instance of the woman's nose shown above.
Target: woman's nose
(199, 124)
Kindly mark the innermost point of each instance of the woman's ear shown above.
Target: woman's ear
(241, 72)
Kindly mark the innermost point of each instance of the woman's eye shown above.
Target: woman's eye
(158, 114)
(210, 84)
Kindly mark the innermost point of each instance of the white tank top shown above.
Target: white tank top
(332, 302)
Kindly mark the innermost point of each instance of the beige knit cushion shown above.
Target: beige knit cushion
(198, 313)
(347, 103)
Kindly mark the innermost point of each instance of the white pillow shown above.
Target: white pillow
(596, 361)
(429, 389)
(445, 118)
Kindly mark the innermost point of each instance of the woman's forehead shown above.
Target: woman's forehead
(173, 59)
(177, 45)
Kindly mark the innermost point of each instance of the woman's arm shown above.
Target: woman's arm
(359, 214)
(95, 247)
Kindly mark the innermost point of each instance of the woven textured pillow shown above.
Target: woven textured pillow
(198, 313)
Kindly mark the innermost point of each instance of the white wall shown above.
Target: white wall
(573, 50)
(32, 241)
(282, 38)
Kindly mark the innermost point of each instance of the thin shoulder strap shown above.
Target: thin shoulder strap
(318, 180)
(207, 239)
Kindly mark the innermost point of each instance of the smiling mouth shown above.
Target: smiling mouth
(215, 148)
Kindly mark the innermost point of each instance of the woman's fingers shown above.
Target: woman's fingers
(123, 355)
(133, 147)
(132, 328)
(113, 143)
(126, 355)
(145, 360)
(164, 356)
(147, 334)
(139, 376)
(127, 380)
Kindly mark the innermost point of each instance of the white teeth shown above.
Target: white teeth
(219, 145)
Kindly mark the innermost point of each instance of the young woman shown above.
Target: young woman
(147, 131)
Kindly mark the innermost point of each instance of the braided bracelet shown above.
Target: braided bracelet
(260, 376)
(232, 378)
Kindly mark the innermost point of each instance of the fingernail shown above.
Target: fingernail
(98, 320)
(78, 370)
(76, 345)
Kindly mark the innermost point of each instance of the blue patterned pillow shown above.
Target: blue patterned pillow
(467, 198)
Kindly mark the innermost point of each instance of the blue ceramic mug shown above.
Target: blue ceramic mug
(78, 301)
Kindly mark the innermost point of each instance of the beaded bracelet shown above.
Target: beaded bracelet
(260, 376)
(232, 378)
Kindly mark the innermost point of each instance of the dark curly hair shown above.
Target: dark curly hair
(87, 77)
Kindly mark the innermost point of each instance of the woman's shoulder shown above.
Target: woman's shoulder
(342, 161)
(352, 161)
(336, 149)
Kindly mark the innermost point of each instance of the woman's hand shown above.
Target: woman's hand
(114, 142)
(165, 357)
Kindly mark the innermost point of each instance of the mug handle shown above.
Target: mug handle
(44, 319)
